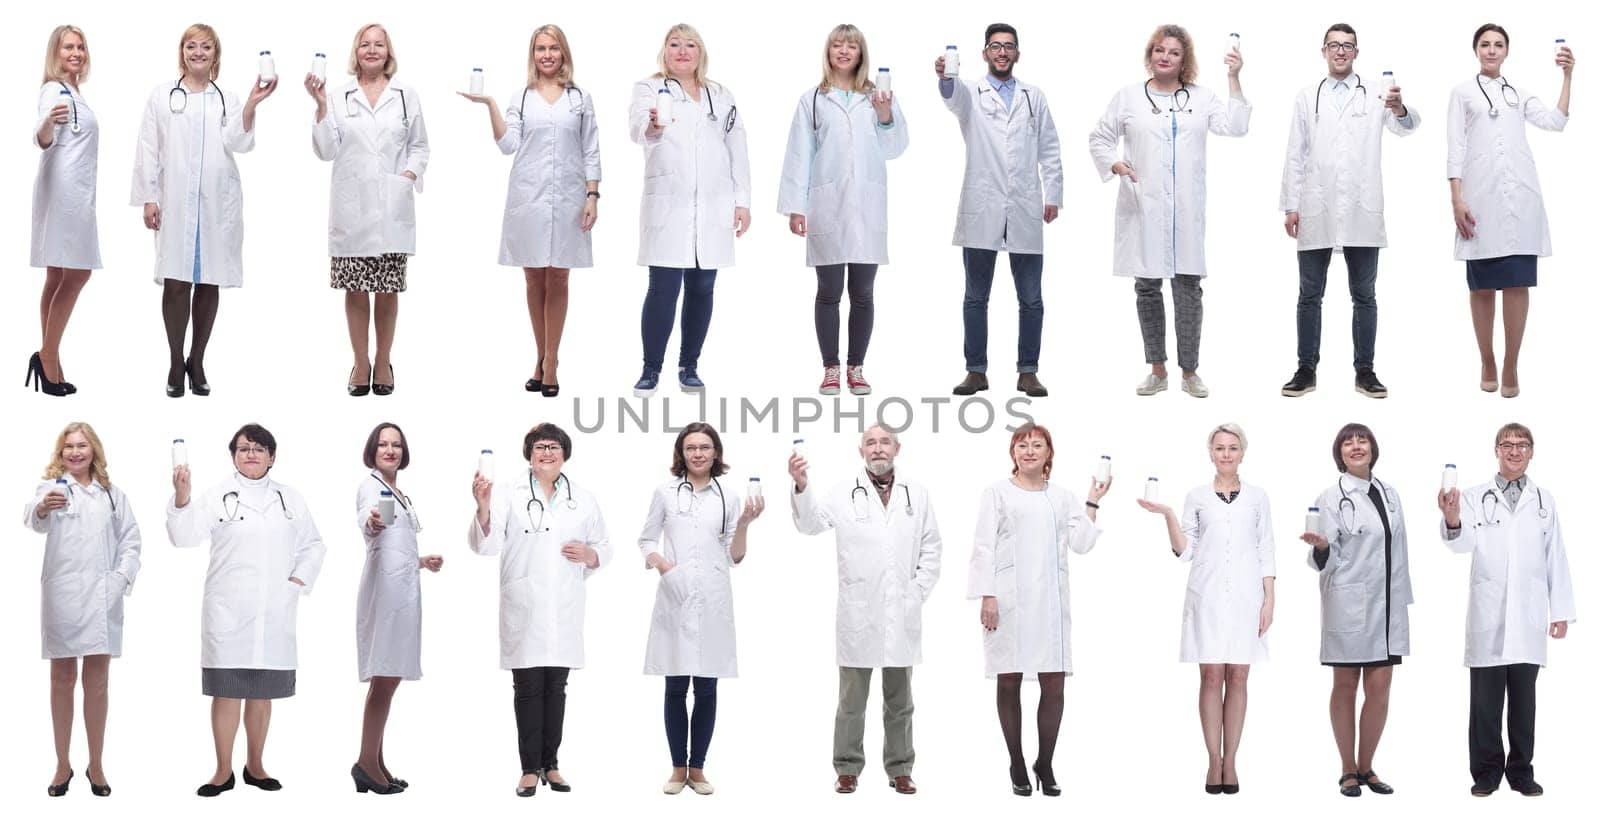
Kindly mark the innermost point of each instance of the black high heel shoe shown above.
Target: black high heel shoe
(199, 389)
(366, 784)
(37, 378)
(57, 789)
(380, 388)
(561, 786)
(357, 389)
(1047, 787)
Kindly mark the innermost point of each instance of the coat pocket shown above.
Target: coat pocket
(1345, 609)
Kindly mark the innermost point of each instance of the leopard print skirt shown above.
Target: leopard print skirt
(369, 274)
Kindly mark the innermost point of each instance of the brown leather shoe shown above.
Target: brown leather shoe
(846, 784)
(904, 784)
(973, 383)
(1029, 383)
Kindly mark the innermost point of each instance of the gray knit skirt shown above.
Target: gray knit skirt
(247, 684)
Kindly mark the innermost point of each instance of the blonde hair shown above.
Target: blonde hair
(97, 462)
(844, 32)
(1191, 66)
(686, 32)
(54, 71)
(390, 65)
(1231, 429)
(201, 31)
(563, 74)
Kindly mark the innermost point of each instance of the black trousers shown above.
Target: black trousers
(1494, 688)
(541, 705)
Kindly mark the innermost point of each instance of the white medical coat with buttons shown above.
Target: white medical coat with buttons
(91, 559)
(1333, 168)
(372, 206)
(1229, 551)
(389, 601)
(695, 173)
(1365, 588)
(541, 593)
(1019, 556)
(65, 232)
(184, 164)
(888, 564)
(261, 534)
(836, 173)
(557, 148)
(1492, 158)
(1013, 167)
(1161, 219)
(1521, 583)
(691, 626)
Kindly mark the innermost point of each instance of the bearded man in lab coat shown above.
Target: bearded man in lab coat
(889, 549)
(1521, 591)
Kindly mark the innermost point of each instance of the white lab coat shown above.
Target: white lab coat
(1520, 579)
(1333, 168)
(372, 206)
(1013, 167)
(1019, 556)
(389, 602)
(837, 175)
(91, 559)
(1492, 158)
(184, 164)
(65, 233)
(557, 147)
(1229, 552)
(888, 564)
(1161, 219)
(261, 534)
(541, 593)
(691, 627)
(695, 174)
(1365, 588)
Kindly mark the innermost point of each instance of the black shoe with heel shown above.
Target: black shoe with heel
(1047, 785)
(198, 388)
(366, 784)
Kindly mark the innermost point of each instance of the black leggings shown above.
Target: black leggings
(830, 289)
(541, 705)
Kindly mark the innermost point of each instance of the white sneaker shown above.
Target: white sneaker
(1151, 385)
(1194, 387)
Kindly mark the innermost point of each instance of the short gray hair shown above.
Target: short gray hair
(1231, 429)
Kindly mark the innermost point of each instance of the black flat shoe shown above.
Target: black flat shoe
(214, 789)
(364, 783)
(382, 389)
(356, 389)
(1371, 781)
(58, 789)
(1047, 786)
(99, 789)
(197, 388)
(1353, 788)
(266, 784)
(562, 786)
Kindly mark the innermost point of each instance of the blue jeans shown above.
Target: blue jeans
(661, 300)
(1027, 272)
(1362, 264)
(688, 738)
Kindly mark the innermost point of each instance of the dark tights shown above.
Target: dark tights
(1052, 702)
(175, 311)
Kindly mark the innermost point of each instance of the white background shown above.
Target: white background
(279, 356)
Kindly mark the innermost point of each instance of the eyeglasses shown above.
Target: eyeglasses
(1340, 48)
(996, 48)
(1514, 447)
(546, 448)
(250, 450)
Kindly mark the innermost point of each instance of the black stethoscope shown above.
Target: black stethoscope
(1508, 94)
(73, 103)
(1316, 110)
(711, 103)
(405, 502)
(1026, 97)
(575, 107)
(233, 514)
(1347, 506)
(350, 108)
(1492, 498)
(863, 512)
(687, 507)
(181, 95)
(533, 489)
(1180, 98)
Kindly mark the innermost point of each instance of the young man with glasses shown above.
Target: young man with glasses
(1332, 199)
(1521, 591)
(1011, 188)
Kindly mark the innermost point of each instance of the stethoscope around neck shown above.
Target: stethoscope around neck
(863, 510)
(1361, 111)
(1508, 94)
(352, 110)
(687, 507)
(711, 103)
(178, 99)
(1180, 98)
(533, 490)
(1347, 507)
(1492, 499)
(231, 513)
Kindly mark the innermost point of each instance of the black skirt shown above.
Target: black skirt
(1503, 272)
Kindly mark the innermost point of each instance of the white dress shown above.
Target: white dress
(389, 603)
(557, 147)
(91, 558)
(65, 234)
(1019, 555)
(691, 627)
(1229, 552)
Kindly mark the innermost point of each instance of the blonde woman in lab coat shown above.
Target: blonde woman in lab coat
(1360, 554)
(66, 236)
(1501, 229)
(694, 535)
(91, 558)
(1026, 527)
(389, 602)
(1161, 196)
(1225, 536)
(835, 193)
(553, 198)
(265, 554)
(550, 537)
(186, 180)
(375, 137)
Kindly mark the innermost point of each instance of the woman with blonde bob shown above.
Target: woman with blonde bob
(91, 558)
(66, 236)
(186, 180)
(378, 145)
(553, 197)
(696, 199)
(1225, 536)
(835, 193)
